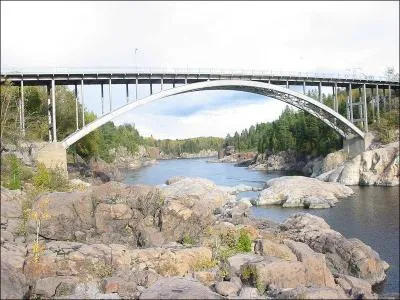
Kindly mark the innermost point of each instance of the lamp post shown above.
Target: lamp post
(136, 49)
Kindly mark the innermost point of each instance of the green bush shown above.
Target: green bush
(50, 179)
(13, 172)
(386, 128)
(244, 242)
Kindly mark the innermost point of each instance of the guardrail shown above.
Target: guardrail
(201, 71)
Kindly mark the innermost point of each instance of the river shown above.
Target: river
(371, 214)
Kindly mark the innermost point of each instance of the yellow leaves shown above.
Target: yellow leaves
(41, 212)
(37, 250)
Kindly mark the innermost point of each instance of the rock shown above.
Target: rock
(226, 288)
(174, 179)
(298, 191)
(207, 278)
(189, 207)
(233, 190)
(378, 166)
(11, 201)
(236, 261)
(249, 293)
(6, 236)
(178, 288)
(111, 285)
(317, 271)
(13, 283)
(47, 287)
(271, 248)
(312, 293)
(273, 271)
(334, 160)
(355, 287)
(346, 256)
(78, 184)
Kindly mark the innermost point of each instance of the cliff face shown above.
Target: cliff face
(378, 166)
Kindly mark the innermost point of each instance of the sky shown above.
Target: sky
(338, 37)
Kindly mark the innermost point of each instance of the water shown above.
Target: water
(371, 214)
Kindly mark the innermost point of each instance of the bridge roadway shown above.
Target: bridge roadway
(139, 76)
(64, 76)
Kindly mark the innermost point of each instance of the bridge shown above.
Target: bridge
(271, 84)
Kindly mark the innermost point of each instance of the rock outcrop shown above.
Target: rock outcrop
(344, 256)
(298, 191)
(379, 166)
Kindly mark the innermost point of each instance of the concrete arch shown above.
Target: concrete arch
(319, 110)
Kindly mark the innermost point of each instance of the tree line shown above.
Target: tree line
(96, 144)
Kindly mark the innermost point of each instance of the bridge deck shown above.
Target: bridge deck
(180, 77)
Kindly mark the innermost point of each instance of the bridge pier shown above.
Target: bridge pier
(22, 110)
(76, 108)
(109, 94)
(355, 145)
(53, 156)
(320, 92)
(83, 104)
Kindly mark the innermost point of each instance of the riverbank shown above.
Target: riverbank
(378, 165)
(138, 241)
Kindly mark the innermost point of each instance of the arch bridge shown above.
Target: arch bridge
(270, 84)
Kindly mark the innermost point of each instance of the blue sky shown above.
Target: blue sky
(306, 36)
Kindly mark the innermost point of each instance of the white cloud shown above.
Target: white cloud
(216, 122)
(292, 36)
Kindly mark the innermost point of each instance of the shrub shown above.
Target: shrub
(13, 172)
(244, 242)
(202, 263)
(50, 179)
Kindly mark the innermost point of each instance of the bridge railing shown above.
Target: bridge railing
(200, 71)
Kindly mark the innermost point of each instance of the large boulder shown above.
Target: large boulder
(109, 213)
(189, 207)
(270, 271)
(178, 288)
(299, 191)
(13, 282)
(316, 268)
(343, 256)
(312, 293)
(374, 167)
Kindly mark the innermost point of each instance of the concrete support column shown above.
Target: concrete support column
(110, 94)
(162, 82)
(136, 88)
(76, 108)
(102, 99)
(360, 109)
(320, 92)
(49, 109)
(186, 79)
(83, 104)
(53, 109)
(384, 99)
(287, 84)
(373, 104)
(22, 109)
(127, 93)
(377, 103)
(151, 88)
(390, 97)
(304, 87)
(335, 103)
(351, 103)
(365, 108)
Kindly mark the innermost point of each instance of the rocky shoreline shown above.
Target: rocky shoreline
(186, 239)
(379, 165)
